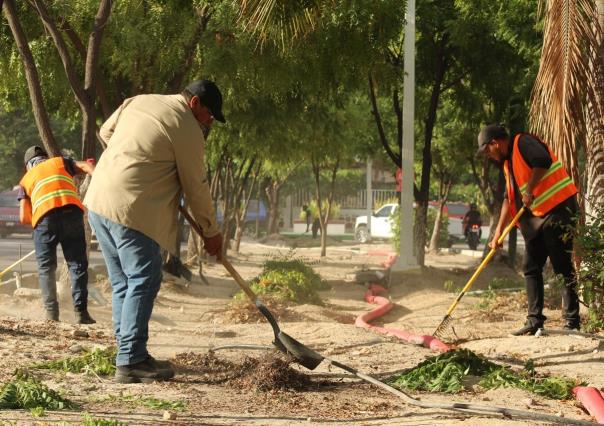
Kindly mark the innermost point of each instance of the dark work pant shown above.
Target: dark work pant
(554, 241)
(64, 226)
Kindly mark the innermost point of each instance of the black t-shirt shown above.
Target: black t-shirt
(535, 154)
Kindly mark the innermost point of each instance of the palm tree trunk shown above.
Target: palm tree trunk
(594, 188)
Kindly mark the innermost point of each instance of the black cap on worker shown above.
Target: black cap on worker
(209, 95)
(33, 152)
(488, 133)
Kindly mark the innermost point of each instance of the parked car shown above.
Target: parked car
(9, 215)
(381, 226)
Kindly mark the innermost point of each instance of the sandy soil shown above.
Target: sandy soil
(192, 319)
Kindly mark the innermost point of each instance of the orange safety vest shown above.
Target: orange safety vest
(555, 186)
(49, 186)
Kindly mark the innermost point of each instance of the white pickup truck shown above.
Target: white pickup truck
(381, 226)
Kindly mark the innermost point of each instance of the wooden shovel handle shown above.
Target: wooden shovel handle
(227, 265)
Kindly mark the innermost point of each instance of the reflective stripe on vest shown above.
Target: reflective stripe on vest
(553, 188)
(49, 186)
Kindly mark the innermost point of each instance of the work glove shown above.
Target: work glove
(213, 245)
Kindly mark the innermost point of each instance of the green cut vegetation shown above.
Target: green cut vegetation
(27, 392)
(288, 279)
(139, 401)
(447, 373)
(98, 361)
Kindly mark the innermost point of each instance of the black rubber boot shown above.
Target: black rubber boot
(83, 317)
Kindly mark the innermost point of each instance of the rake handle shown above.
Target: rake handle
(16, 263)
(485, 261)
(227, 265)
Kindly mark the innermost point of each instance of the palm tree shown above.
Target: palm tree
(568, 96)
(280, 22)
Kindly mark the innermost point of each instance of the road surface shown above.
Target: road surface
(19, 245)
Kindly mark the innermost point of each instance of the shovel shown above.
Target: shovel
(302, 354)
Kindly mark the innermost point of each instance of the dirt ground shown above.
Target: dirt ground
(221, 388)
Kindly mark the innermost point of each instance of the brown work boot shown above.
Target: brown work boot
(83, 317)
(146, 371)
(52, 315)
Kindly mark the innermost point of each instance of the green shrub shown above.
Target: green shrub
(27, 392)
(288, 279)
(589, 247)
(446, 373)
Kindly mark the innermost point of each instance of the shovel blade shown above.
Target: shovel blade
(302, 354)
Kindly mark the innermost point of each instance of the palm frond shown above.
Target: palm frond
(279, 21)
(566, 80)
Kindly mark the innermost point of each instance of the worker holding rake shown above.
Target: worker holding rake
(536, 179)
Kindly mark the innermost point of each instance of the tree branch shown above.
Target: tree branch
(378, 121)
(33, 80)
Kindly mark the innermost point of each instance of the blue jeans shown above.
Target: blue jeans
(65, 226)
(134, 267)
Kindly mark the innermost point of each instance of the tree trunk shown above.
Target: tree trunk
(324, 216)
(420, 228)
(445, 188)
(272, 194)
(430, 121)
(33, 81)
(257, 231)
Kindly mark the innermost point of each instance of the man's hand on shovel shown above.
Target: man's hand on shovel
(213, 245)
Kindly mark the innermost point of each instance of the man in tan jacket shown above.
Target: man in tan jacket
(154, 155)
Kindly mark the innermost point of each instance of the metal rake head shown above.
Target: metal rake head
(443, 326)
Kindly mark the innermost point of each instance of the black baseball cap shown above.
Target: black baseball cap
(33, 152)
(209, 95)
(488, 133)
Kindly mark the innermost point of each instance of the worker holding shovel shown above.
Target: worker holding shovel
(49, 201)
(155, 153)
(536, 179)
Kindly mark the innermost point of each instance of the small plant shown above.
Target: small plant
(37, 411)
(288, 279)
(489, 296)
(450, 286)
(486, 299)
(446, 373)
(97, 361)
(88, 420)
(27, 392)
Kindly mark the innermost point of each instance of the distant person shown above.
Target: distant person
(472, 217)
(307, 215)
(155, 153)
(49, 201)
(536, 179)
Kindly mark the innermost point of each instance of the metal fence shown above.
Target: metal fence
(357, 201)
